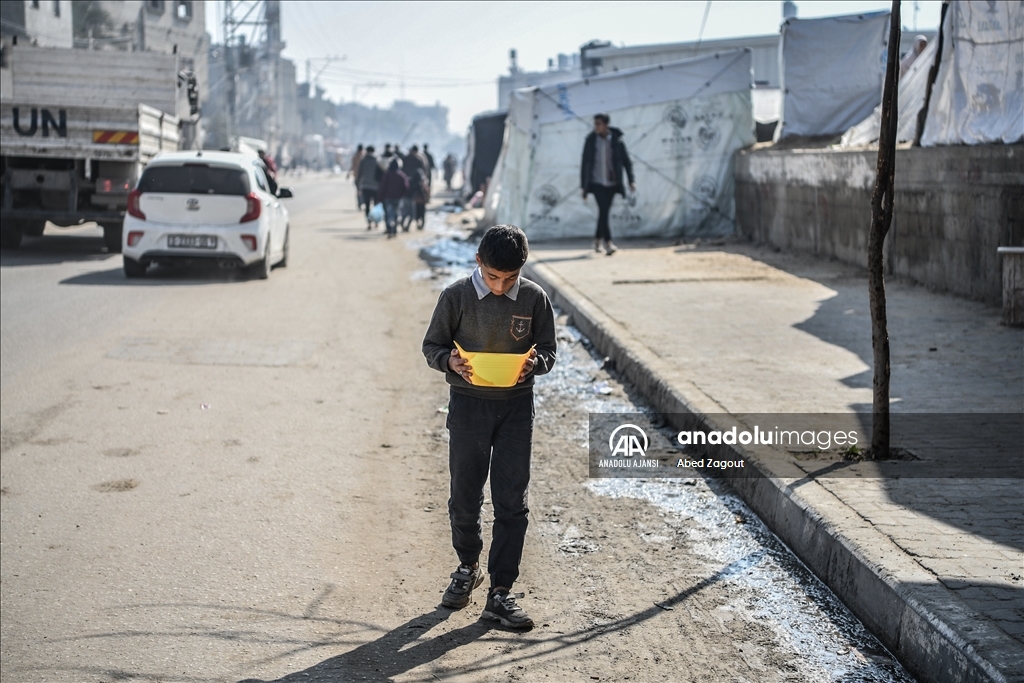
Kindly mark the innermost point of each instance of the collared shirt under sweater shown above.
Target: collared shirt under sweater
(467, 312)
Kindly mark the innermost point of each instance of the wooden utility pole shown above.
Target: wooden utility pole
(881, 219)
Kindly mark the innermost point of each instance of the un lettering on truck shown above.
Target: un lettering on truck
(76, 128)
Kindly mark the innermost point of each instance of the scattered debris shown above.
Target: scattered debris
(116, 486)
(573, 544)
(577, 546)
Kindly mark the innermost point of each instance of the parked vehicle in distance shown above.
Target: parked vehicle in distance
(215, 207)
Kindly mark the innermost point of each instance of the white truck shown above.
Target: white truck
(76, 128)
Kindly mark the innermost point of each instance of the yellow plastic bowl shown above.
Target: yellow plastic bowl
(494, 369)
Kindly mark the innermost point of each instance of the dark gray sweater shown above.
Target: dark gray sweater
(494, 325)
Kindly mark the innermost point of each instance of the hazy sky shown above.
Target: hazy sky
(453, 52)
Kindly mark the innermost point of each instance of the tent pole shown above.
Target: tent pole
(932, 75)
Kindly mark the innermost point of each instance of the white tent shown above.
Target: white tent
(910, 99)
(682, 122)
(978, 96)
(832, 72)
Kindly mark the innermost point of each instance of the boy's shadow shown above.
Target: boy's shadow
(391, 654)
(385, 657)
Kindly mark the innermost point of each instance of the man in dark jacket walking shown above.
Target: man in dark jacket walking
(431, 166)
(368, 177)
(604, 158)
(393, 187)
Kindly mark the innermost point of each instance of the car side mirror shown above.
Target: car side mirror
(284, 193)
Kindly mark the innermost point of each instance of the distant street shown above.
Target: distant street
(211, 478)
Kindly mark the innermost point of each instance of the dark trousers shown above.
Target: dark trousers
(603, 195)
(391, 215)
(495, 435)
(369, 198)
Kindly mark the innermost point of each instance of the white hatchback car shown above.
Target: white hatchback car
(205, 206)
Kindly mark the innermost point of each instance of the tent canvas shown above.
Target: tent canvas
(832, 72)
(682, 122)
(910, 100)
(978, 96)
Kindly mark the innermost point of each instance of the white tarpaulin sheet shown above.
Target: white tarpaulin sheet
(832, 72)
(978, 96)
(682, 122)
(910, 100)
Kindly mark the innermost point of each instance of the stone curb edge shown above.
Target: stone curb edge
(929, 645)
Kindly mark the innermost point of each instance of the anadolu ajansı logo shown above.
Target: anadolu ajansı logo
(628, 441)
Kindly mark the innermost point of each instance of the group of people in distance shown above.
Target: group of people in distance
(400, 182)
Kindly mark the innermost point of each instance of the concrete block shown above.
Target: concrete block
(1013, 285)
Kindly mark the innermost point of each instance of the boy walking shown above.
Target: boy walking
(495, 310)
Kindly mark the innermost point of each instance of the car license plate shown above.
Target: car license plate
(192, 241)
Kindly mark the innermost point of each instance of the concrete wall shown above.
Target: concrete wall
(953, 207)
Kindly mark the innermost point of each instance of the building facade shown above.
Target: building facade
(45, 23)
(168, 26)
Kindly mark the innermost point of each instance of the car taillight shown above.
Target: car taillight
(252, 208)
(133, 205)
(250, 241)
(133, 237)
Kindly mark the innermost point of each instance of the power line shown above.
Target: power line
(440, 80)
(395, 81)
(703, 23)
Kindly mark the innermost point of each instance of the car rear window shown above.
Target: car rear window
(195, 179)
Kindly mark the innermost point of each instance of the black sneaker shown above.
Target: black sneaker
(502, 607)
(464, 580)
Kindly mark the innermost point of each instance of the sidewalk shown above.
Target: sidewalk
(932, 566)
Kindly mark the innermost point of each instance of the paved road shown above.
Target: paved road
(209, 478)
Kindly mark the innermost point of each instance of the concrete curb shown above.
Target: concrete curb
(919, 620)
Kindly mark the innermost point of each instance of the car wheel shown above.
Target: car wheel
(10, 236)
(112, 237)
(133, 268)
(261, 269)
(283, 263)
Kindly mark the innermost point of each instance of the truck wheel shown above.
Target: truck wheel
(33, 227)
(112, 237)
(133, 268)
(10, 237)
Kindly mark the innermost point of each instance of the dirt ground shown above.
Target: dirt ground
(207, 478)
